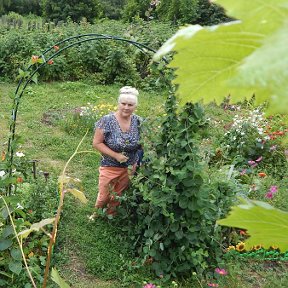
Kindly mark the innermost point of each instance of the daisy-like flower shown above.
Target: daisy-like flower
(20, 154)
(2, 173)
(240, 247)
(221, 271)
(257, 247)
(231, 247)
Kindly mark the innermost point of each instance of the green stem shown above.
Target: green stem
(59, 210)
(19, 243)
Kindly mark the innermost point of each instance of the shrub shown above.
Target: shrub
(173, 204)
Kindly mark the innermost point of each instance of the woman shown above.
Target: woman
(117, 139)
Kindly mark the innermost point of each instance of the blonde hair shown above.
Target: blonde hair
(128, 92)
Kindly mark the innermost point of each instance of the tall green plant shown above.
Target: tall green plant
(174, 204)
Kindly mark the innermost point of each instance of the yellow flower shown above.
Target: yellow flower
(274, 247)
(240, 247)
(231, 247)
(257, 247)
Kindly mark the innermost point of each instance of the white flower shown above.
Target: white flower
(2, 173)
(19, 206)
(20, 154)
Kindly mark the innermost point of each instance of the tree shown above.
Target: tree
(55, 10)
(112, 8)
(136, 8)
(4, 6)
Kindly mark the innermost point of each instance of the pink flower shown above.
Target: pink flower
(213, 285)
(243, 172)
(251, 162)
(273, 148)
(149, 285)
(269, 195)
(259, 159)
(221, 271)
(273, 189)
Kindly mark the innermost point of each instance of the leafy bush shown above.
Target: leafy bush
(104, 61)
(173, 204)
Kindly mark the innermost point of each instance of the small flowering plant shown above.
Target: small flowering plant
(84, 117)
(247, 137)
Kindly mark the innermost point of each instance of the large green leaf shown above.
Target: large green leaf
(265, 224)
(270, 73)
(36, 227)
(208, 59)
(5, 243)
(78, 194)
(15, 267)
(58, 280)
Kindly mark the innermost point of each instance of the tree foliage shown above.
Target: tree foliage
(201, 12)
(75, 10)
(23, 7)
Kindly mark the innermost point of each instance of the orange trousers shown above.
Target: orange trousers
(111, 180)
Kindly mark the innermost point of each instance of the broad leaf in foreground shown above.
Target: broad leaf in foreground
(209, 59)
(58, 280)
(267, 225)
(36, 227)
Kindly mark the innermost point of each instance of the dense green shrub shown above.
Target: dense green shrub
(55, 10)
(172, 207)
(104, 61)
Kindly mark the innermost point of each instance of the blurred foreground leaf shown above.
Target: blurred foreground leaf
(265, 224)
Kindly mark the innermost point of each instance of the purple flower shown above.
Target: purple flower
(273, 148)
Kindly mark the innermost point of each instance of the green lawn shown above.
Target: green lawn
(93, 254)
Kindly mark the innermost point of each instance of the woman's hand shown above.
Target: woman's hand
(121, 158)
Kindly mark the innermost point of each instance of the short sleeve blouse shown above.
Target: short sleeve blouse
(119, 141)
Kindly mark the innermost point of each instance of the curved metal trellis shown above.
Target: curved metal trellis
(45, 57)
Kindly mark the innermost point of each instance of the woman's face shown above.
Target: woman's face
(126, 105)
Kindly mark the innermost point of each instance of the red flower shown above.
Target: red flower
(242, 232)
(56, 48)
(19, 180)
(262, 174)
(50, 62)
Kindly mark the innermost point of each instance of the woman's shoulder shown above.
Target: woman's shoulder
(105, 121)
(137, 118)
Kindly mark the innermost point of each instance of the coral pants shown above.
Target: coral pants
(111, 180)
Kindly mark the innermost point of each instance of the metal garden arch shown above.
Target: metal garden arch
(50, 53)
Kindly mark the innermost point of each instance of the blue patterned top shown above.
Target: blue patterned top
(119, 141)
